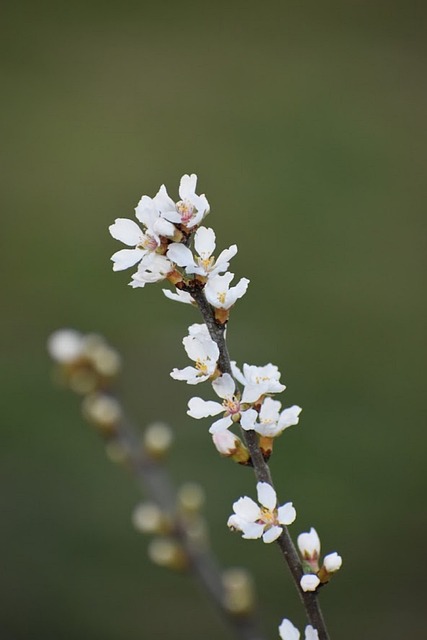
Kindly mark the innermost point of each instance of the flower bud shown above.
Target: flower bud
(167, 553)
(191, 497)
(147, 517)
(332, 562)
(239, 594)
(103, 411)
(309, 582)
(231, 446)
(157, 439)
(309, 546)
(65, 345)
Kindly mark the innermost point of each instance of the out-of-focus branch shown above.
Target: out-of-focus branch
(88, 365)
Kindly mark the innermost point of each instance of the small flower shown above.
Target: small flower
(204, 264)
(287, 631)
(190, 210)
(309, 546)
(152, 268)
(225, 388)
(269, 422)
(178, 296)
(143, 242)
(203, 350)
(219, 294)
(332, 562)
(255, 521)
(309, 582)
(258, 380)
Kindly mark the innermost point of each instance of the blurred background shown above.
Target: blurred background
(305, 123)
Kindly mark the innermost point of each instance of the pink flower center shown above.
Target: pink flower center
(231, 406)
(148, 242)
(186, 210)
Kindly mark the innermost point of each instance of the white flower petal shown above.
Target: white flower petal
(252, 392)
(221, 425)
(225, 257)
(179, 253)
(126, 258)
(224, 386)
(266, 495)
(201, 349)
(204, 242)
(164, 202)
(286, 514)
(237, 373)
(252, 530)
(272, 534)
(247, 509)
(311, 633)
(199, 408)
(287, 631)
(146, 211)
(178, 296)
(184, 374)
(248, 419)
(234, 522)
(127, 231)
(289, 417)
(187, 186)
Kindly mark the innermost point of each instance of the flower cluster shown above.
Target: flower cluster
(309, 547)
(172, 245)
(160, 248)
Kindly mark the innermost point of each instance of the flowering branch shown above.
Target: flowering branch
(163, 251)
(172, 245)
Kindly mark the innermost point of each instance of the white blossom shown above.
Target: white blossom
(144, 241)
(218, 292)
(203, 350)
(287, 631)
(332, 562)
(152, 268)
(258, 380)
(269, 422)
(309, 582)
(204, 263)
(178, 296)
(255, 521)
(225, 388)
(189, 210)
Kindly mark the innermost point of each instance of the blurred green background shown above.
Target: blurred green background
(305, 123)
